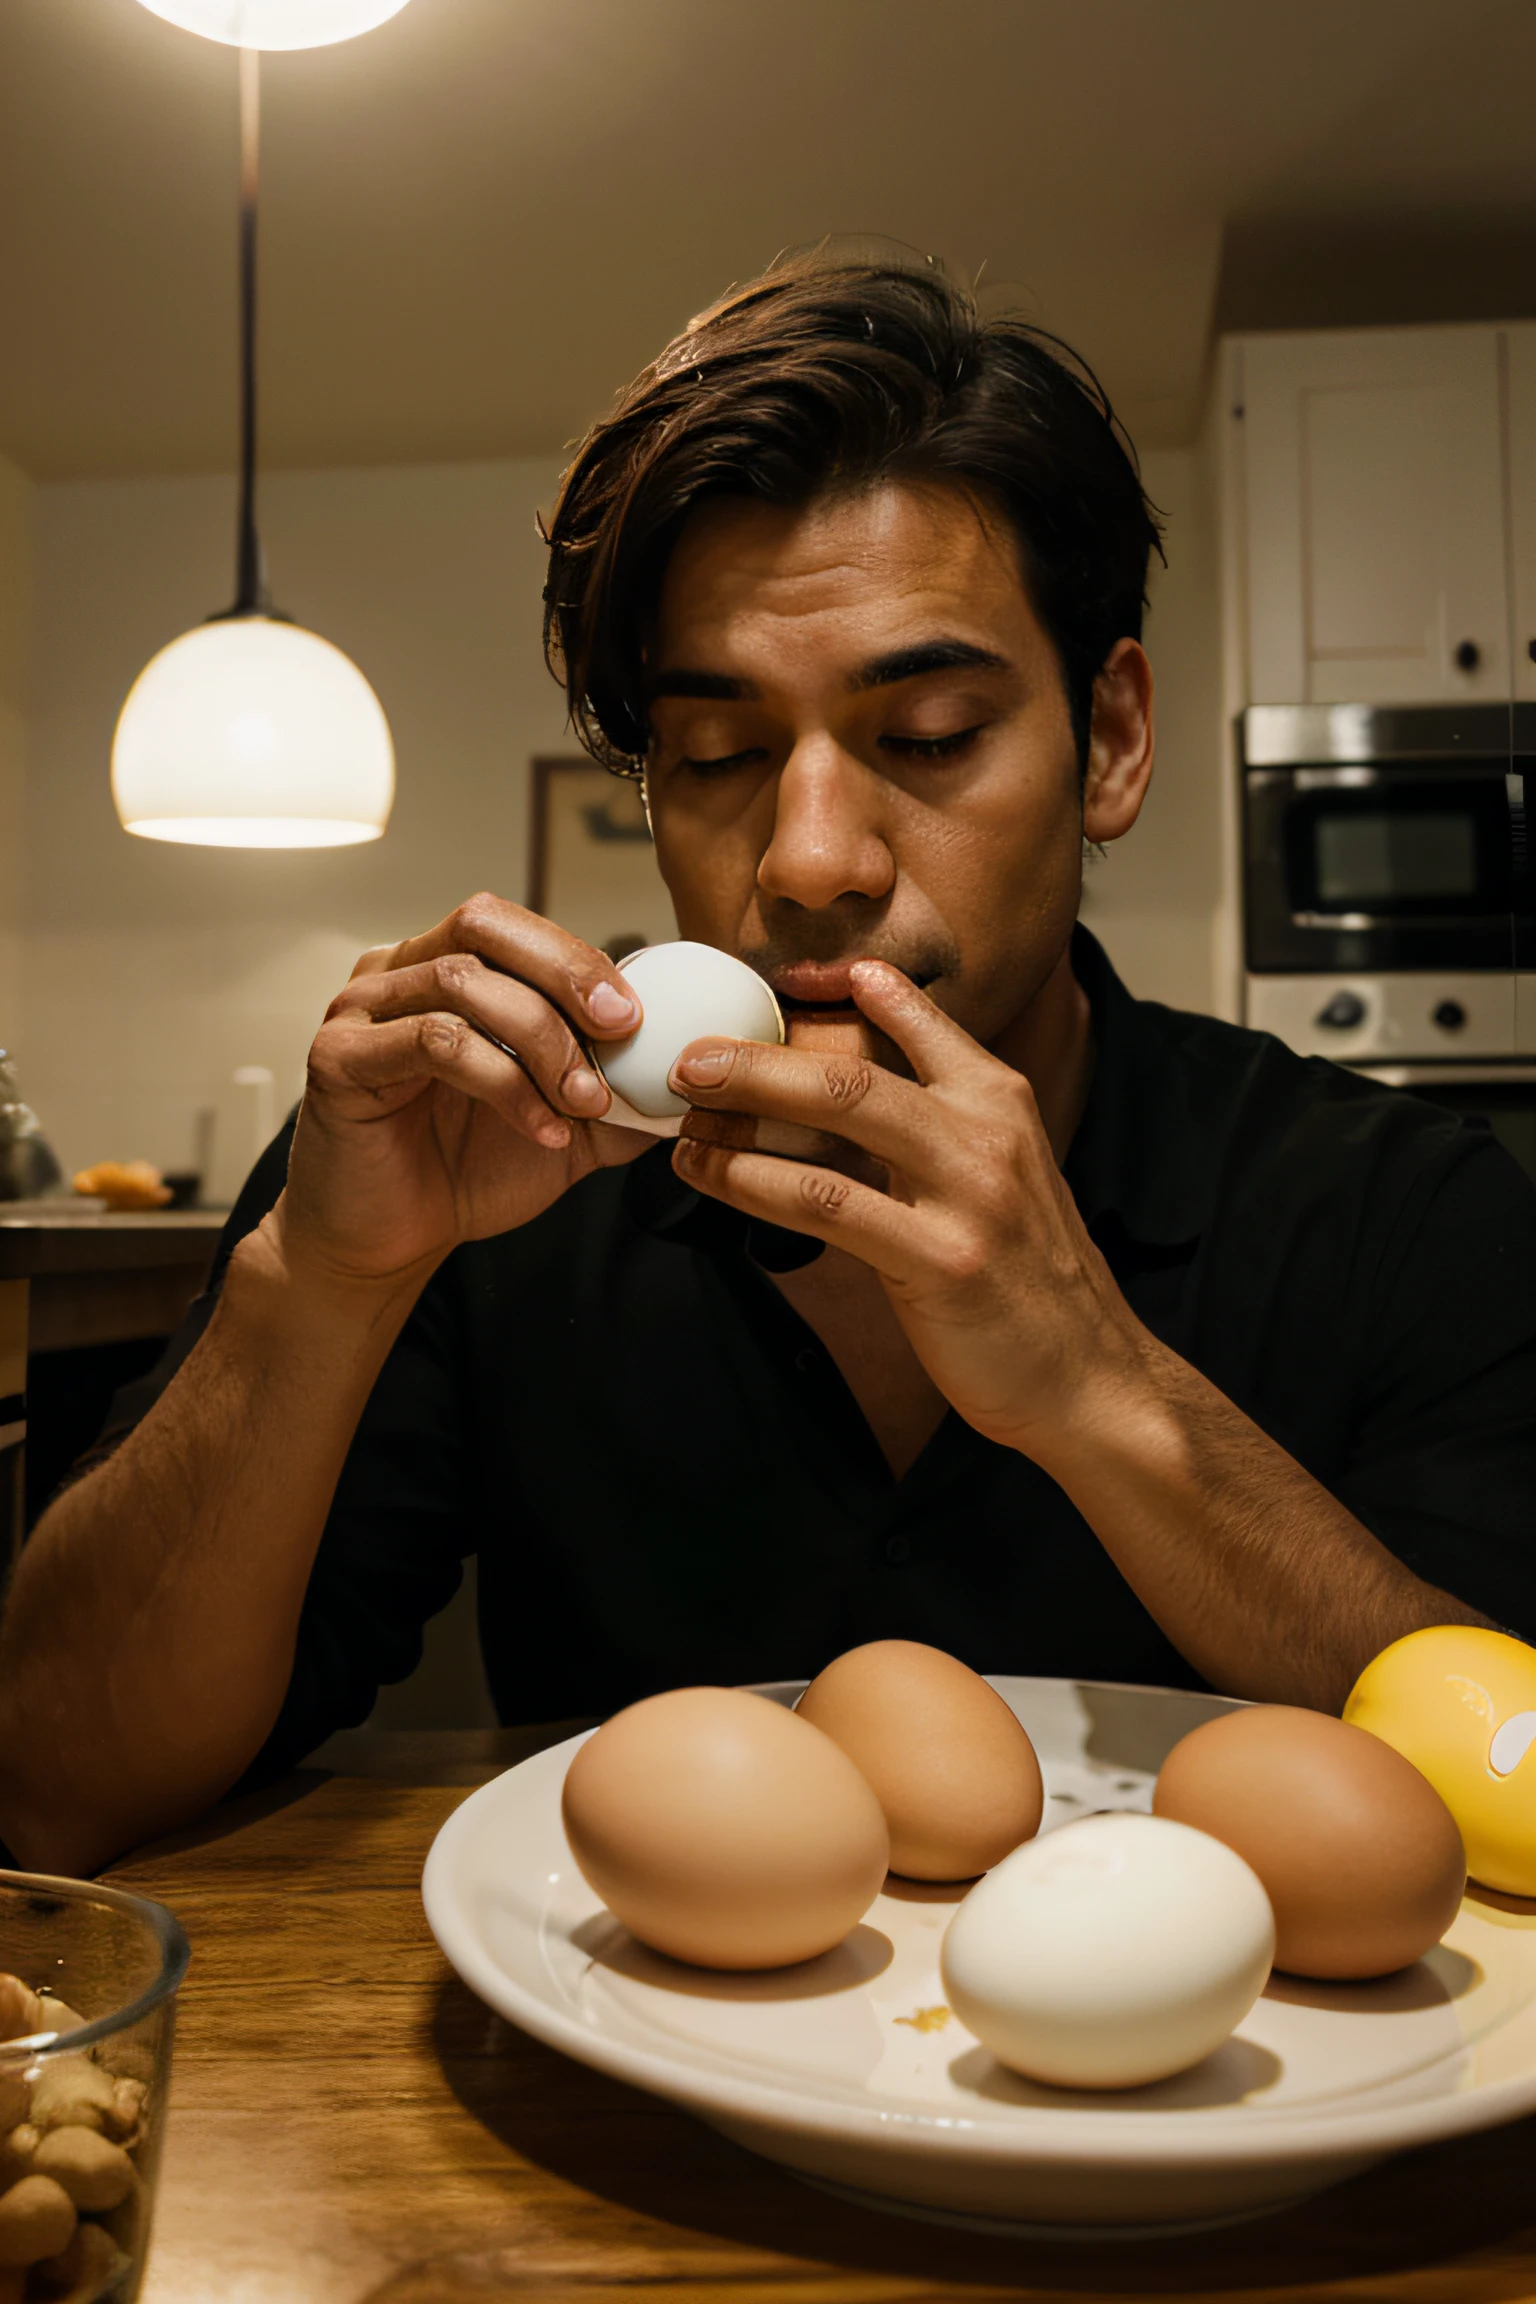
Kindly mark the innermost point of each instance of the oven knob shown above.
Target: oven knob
(1343, 1012)
(1450, 1016)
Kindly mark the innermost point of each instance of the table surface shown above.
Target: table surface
(350, 2126)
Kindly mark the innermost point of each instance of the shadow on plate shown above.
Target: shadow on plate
(859, 1958)
(656, 2200)
(1517, 1907)
(1126, 1731)
(1433, 1982)
(1232, 2072)
(903, 1891)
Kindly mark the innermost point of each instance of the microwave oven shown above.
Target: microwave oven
(1387, 888)
(1387, 838)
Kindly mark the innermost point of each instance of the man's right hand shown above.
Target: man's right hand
(448, 1096)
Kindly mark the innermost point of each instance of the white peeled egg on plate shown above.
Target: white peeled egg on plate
(687, 992)
(1110, 1952)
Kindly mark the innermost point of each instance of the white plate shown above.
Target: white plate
(834, 2069)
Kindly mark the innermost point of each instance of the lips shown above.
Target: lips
(815, 983)
(826, 984)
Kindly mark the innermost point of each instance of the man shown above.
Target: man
(996, 1309)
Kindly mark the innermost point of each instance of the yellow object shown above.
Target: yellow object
(1460, 1703)
(123, 1184)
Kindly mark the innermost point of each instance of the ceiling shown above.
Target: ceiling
(479, 219)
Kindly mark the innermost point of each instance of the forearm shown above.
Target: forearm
(1261, 1578)
(150, 1630)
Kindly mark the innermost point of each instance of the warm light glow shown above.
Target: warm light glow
(276, 23)
(251, 733)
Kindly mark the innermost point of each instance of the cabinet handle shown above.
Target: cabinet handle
(1530, 649)
(1468, 656)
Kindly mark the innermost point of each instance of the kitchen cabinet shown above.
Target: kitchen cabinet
(1521, 344)
(1373, 476)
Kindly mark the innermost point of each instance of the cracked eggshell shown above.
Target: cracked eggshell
(687, 992)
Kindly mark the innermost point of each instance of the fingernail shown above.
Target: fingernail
(707, 1069)
(555, 1134)
(686, 1153)
(582, 1090)
(606, 1004)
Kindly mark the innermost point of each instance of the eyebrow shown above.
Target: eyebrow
(880, 672)
(927, 656)
(712, 687)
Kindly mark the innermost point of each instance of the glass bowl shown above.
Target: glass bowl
(82, 2106)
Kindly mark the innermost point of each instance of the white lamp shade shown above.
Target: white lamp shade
(250, 733)
(276, 23)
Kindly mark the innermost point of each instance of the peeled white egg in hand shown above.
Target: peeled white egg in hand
(1110, 1952)
(687, 992)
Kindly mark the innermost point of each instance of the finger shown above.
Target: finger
(576, 976)
(388, 1062)
(787, 1140)
(936, 1047)
(373, 962)
(837, 1210)
(518, 1018)
(838, 1095)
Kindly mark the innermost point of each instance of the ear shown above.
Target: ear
(1119, 743)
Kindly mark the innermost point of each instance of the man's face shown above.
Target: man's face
(862, 749)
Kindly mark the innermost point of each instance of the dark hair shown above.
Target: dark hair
(828, 374)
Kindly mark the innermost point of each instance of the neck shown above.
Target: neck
(1051, 1042)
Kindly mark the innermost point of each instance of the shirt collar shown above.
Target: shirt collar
(1139, 1163)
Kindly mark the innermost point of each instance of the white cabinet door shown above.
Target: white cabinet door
(1522, 503)
(1375, 525)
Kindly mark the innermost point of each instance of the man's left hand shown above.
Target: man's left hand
(1002, 1294)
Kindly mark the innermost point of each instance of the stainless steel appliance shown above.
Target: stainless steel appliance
(1389, 917)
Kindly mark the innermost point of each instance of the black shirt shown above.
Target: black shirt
(666, 1479)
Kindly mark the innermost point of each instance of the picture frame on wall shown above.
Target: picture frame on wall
(591, 864)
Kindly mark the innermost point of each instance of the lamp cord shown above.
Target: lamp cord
(251, 597)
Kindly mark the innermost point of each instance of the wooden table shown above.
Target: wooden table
(349, 2125)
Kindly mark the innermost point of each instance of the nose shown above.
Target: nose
(828, 839)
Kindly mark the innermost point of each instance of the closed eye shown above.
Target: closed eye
(724, 763)
(931, 747)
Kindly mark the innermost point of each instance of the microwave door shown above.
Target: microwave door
(1363, 867)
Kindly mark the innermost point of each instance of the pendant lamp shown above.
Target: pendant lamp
(276, 23)
(250, 732)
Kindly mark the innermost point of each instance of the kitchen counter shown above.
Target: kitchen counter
(70, 1279)
(103, 1279)
(35, 1246)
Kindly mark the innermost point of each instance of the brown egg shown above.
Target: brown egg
(723, 1830)
(1359, 1854)
(951, 1766)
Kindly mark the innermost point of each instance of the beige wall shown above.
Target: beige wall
(151, 972)
(15, 620)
